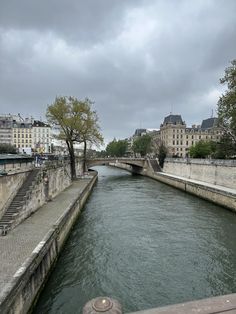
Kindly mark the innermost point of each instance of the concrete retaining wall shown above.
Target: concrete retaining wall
(219, 172)
(31, 277)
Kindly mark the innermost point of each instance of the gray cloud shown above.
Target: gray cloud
(137, 60)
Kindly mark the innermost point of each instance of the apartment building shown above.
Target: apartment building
(41, 137)
(6, 129)
(178, 138)
(26, 134)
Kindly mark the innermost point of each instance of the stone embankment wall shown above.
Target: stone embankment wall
(49, 182)
(219, 172)
(31, 277)
(212, 193)
(9, 186)
(12, 165)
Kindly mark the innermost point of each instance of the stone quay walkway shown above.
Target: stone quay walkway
(20, 242)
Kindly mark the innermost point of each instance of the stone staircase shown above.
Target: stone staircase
(155, 165)
(9, 218)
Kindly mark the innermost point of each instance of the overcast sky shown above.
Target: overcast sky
(138, 60)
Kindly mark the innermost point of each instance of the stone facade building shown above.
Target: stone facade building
(41, 137)
(25, 134)
(178, 138)
(22, 135)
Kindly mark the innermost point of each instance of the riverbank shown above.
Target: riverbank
(214, 193)
(29, 252)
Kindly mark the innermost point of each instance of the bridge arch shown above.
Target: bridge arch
(137, 164)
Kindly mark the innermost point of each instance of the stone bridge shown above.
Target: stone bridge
(137, 164)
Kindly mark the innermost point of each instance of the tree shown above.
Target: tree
(101, 154)
(78, 123)
(227, 106)
(117, 148)
(162, 152)
(224, 148)
(142, 145)
(7, 149)
(202, 149)
(89, 130)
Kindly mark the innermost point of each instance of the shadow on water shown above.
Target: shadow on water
(145, 244)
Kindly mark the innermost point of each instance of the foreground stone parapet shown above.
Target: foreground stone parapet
(221, 304)
(102, 305)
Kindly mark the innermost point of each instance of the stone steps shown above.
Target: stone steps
(17, 203)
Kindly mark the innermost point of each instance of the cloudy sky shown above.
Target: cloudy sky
(138, 60)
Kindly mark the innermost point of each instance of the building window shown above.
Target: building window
(177, 143)
(187, 143)
(199, 137)
(173, 142)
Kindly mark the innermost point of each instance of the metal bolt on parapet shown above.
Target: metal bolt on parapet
(102, 305)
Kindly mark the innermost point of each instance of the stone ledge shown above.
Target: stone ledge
(221, 304)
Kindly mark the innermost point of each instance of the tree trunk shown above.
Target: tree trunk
(72, 159)
(85, 156)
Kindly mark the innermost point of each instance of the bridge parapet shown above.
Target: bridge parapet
(220, 304)
(140, 162)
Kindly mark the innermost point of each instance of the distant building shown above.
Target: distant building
(26, 134)
(58, 146)
(6, 122)
(140, 132)
(41, 137)
(178, 138)
(22, 134)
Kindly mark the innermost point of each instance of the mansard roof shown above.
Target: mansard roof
(38, 123)
(209, 123)
(139, 132)
(173, 119)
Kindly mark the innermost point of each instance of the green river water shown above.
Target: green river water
(145, 244)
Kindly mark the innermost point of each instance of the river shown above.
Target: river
(145, 244)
